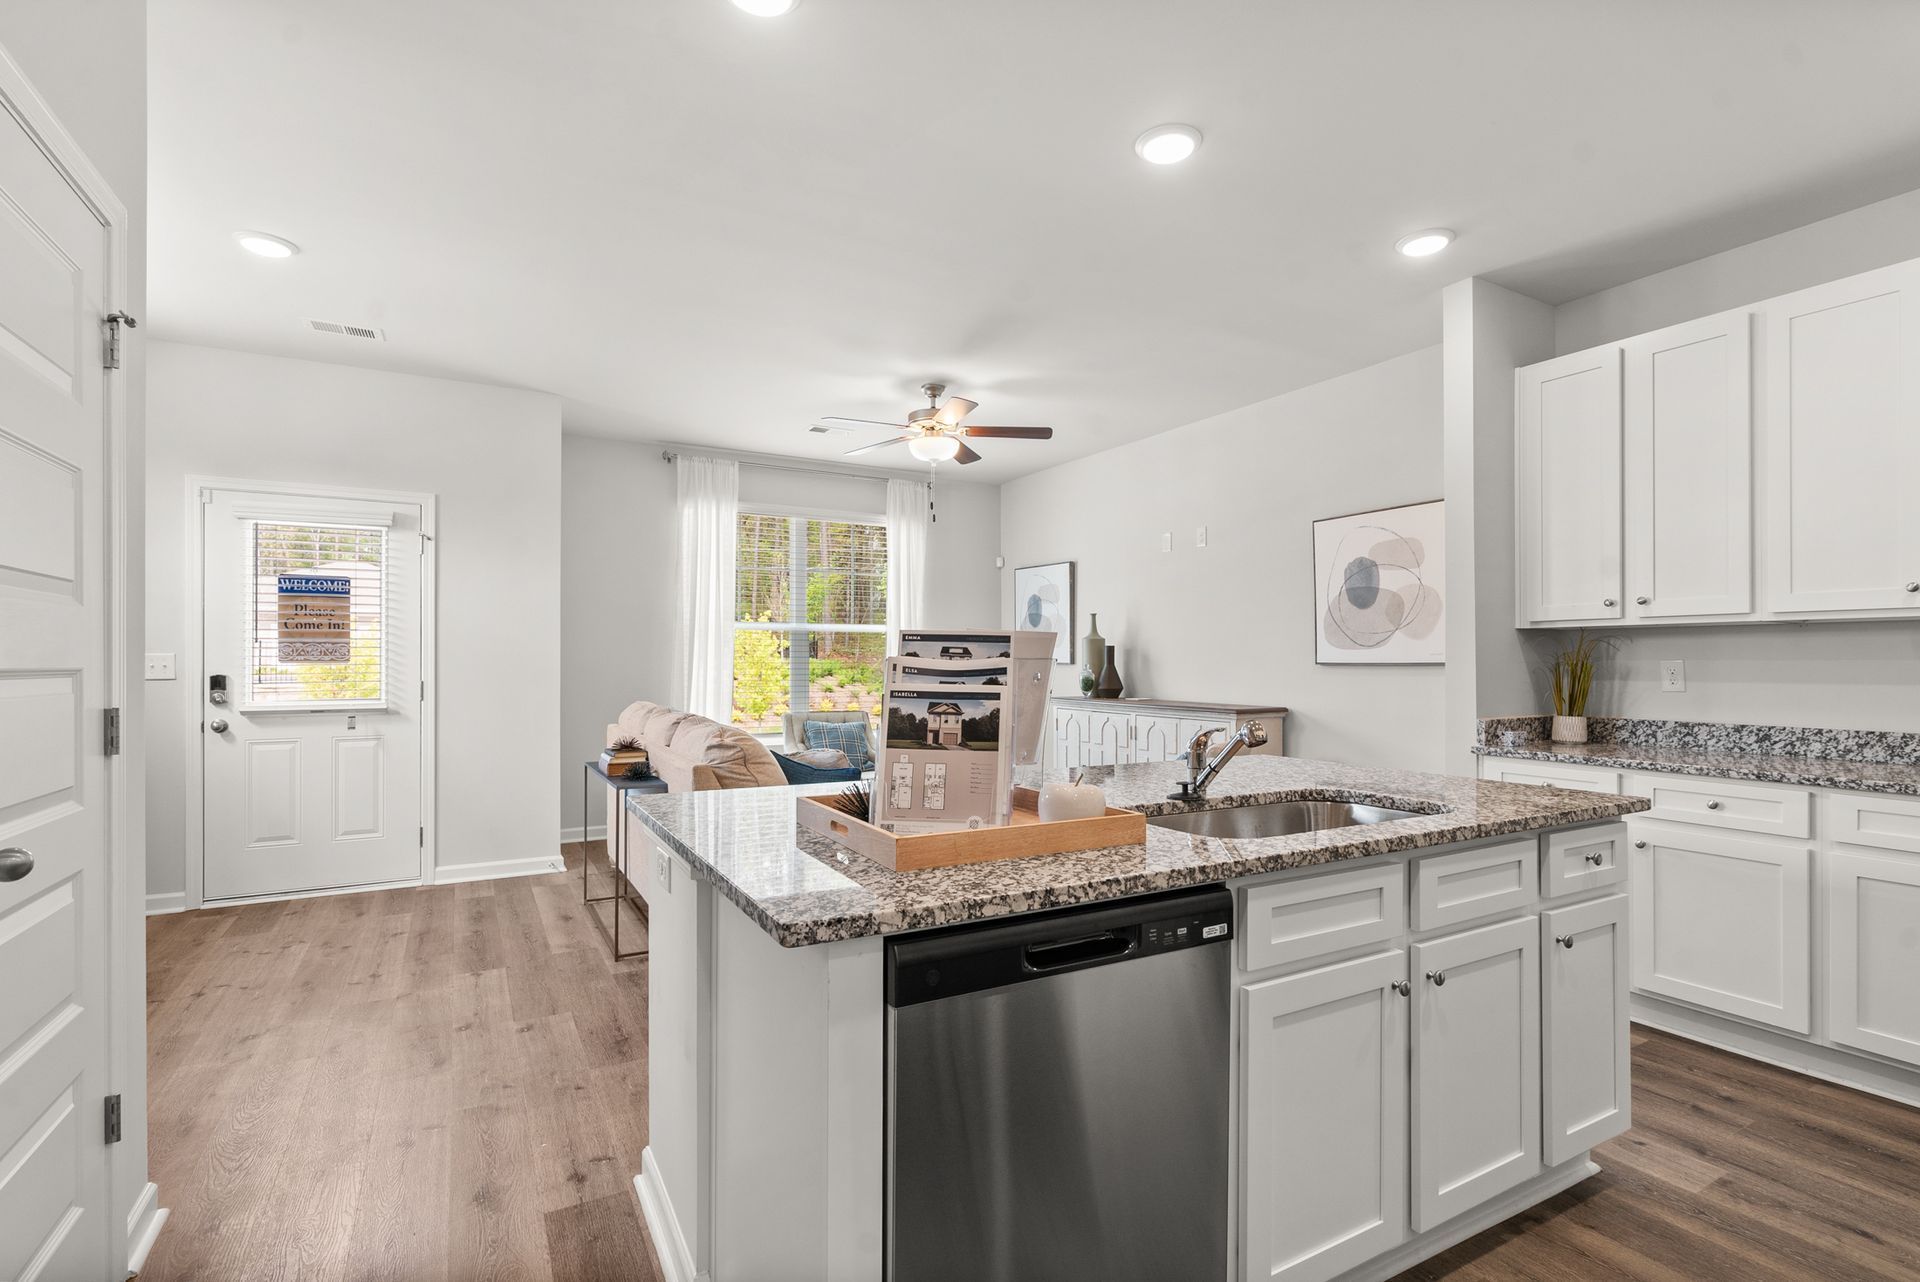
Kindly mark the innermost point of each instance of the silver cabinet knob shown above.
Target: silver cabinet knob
(1402, 987)
(15, 863)
(1640, 600)
(1608, 603)
(1913, 587)
(1438, 977)
(1596, 858)
(218, 725)
(1639, 845)
(1565, 941)
(1713, 805)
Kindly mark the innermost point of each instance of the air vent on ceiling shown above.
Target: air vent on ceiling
(829, 429)
(349, 331)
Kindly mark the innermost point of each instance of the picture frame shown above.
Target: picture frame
(1379, 586)
(1043, 602)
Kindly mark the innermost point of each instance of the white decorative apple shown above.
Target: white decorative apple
(1071, 801)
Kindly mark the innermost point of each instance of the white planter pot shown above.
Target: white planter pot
(1569, 729)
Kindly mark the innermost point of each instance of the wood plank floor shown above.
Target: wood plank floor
(449, 1083)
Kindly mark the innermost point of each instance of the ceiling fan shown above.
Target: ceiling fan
(933, 434)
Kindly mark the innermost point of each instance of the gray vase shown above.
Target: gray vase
(1093, 650)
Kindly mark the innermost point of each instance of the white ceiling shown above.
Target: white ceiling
(699, 226)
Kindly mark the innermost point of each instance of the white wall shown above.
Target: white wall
(617, 606)
(491, 456)
(1234, 621)
(1849, 675)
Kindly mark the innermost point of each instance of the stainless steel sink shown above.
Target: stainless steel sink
(1277, 818)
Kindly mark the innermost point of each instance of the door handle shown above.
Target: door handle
(15, 863)
(218, 725)
(1105, 946)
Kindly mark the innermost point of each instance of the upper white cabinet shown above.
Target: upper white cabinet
(1567, 460)
(1689, 473)
(1843, 445)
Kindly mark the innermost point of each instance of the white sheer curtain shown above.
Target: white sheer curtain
(709, 532)
(906, 558)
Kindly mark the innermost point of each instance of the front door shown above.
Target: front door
(311, 691)
(54, 1220)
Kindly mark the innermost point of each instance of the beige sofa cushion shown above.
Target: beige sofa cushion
(692, 753)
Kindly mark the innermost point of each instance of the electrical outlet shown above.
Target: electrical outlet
(159, 667)
(1166, 541)
(663, 871)
(1673, 675)
(1200, 536)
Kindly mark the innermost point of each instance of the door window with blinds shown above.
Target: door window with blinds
(810, 617)
(316, 616)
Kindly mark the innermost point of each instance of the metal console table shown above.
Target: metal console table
(623, 891)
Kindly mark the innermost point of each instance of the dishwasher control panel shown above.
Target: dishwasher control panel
(1210, 926)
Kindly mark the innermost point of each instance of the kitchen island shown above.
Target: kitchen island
(1413, 1112)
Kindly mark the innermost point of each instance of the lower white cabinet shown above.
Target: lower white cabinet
(1324, 1104)
(1476, 1067)
(1724, 923)
(1584, 1041)
(1873, 953)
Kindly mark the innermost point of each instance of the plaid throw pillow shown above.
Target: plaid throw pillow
(849, 737)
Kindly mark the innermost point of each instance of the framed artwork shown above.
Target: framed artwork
(1380, 583)
(1043, 602)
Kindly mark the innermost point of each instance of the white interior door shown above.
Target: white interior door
(311, 755)
(54, 1220)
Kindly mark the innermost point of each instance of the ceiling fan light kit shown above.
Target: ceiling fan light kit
(932, 433)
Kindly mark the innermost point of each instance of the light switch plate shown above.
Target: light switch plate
(1673, 675)
(1200, 536)
(160, 667)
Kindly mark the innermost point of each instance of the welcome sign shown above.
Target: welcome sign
(316, 620)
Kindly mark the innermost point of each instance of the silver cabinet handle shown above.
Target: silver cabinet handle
(218, 725)
(1402, 987)
(1639, 845)
(1640, 600)
(1438, 977)
(1608, 603)
(1713, 805)
(1596, 858)
(1913, 587)
(1565, 941)
(15, 863)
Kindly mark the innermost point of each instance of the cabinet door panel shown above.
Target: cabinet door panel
(1579, 778)
(1689, 434)
(1109, 739)
(1722, 922)
(1069, 739)
(1842, 401)
(1156, 738)
(1873, 953)
(1567, 461)
(1324, 1116)
(1585, 1047)
(1476, 1067)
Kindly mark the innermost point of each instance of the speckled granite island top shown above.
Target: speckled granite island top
(803, 889)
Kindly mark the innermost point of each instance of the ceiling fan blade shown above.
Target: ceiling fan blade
(965, 455)
(956, 408)
(868, 422)
(1012, 433)
(882, 444)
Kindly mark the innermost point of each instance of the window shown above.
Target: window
(318, 598)
(810, 617)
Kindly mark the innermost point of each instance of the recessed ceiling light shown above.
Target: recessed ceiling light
(258, 242)
(766, 8)
(1167, 144)
(1422, 243)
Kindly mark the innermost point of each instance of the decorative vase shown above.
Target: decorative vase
(1110, 687)
(1093, 652)
(1569, 729)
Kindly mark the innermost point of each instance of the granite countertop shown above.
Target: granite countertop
(1851, 760)
(803, 889)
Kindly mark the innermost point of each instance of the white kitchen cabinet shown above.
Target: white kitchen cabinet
(1091, 737)
(1689, 476)
(1585, 1048)
(1476, 1067)
(1161, 738)
(1579, 778)
(1873, 953)
(1723, 922)
(1567, 423)
(1842, 403)
(1324, 1094)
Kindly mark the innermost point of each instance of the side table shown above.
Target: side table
(623, 891)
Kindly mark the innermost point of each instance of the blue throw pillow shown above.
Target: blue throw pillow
(848, 736)
(801, 772)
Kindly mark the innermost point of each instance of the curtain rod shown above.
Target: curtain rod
(821, 469)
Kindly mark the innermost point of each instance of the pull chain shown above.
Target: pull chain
(933, 477)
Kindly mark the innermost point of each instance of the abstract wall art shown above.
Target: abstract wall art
(1043, 602)
(1380, 586)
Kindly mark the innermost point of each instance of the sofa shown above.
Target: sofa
(695, 754)
(794, 726)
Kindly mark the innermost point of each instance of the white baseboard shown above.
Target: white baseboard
(144, 1223)
(1855, 1069)
(1429, 1244)
(656, 1208)
(172, 901)
(447, 873)
(598, 832)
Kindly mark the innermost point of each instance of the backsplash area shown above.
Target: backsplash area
(1874, 746)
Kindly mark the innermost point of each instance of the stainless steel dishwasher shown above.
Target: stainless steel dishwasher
(1057, 1095)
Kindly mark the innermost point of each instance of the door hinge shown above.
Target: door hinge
(423, 836)
(113, 1119)
(112, 732)
(113, 322)
(423, 692)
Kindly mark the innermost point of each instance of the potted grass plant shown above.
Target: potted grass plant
(1573, 669)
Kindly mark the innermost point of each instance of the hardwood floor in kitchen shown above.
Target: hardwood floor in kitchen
(449, 1083)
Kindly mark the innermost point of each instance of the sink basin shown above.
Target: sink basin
(1277, 818)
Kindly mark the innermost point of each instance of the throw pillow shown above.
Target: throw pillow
(849, 737)
(821, 758)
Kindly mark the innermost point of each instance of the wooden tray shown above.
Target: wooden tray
(1025, 836)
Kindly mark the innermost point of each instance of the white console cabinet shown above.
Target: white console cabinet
(1114, 732)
